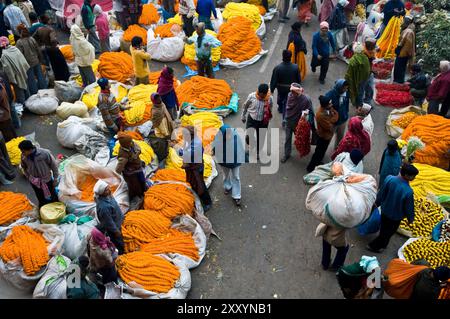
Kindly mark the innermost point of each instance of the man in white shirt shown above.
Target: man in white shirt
(13, 16)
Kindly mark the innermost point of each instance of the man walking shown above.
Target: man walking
(87, 14)
(187, 11)
(40, 168)
(396, 199)
(297, 102)
(283, 75)
(321, 42)
(204, 9)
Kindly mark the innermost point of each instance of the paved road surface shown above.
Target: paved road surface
(267, 248)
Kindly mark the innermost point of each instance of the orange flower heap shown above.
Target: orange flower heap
(29, 246)
(239, 40)
(154, 273)
(141, 226)
(170, 200)
(176, 242)
(135, 30)
(117, 66)
(13, 206)
(169, 174)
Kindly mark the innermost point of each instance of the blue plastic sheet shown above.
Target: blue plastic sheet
(190, 72)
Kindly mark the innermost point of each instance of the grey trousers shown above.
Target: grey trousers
(288, 140)
(283, 8)
(105, 46)
(93, 39)
(87, 75)
(339, 132)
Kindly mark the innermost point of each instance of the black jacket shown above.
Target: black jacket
(283, 75)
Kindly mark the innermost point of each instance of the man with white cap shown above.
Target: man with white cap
(109, 215)
(439, 91)
(321, 42)
(364, 113)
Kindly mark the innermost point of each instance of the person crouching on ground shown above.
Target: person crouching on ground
(130, 166)
(194, 167)
(40, 168)
(109, 215)
(226, 142)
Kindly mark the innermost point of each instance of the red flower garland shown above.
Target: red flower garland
(303, 137)
(392, 94)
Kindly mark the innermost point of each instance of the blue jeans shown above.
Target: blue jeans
(36, 79)
(368, 90)
(232, 181)
(338, 260)
(360, 96)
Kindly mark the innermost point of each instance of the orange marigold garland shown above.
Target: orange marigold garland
(141, 226)
(165, 30)
(149, 14)
(174, 242)
(170, 200)
(135, 30)
(86, 185)
(154, 273)
(170, 174)
(239, 40)
(28, 245)
(13, 206)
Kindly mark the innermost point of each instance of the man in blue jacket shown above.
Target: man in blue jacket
(339, 98)
(396, 198)
(204, 9)
(321, 43)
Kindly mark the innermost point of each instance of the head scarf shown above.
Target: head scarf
(101, 240)
(369, 263)
(97, 10)
(102, 82)
(100, 187)
(358, 48)
(124, 139)
(324, 24)
(297, 88)
(165, 82)
(296, 37)
(356, 137)
(4, 42)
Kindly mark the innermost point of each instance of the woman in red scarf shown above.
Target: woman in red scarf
(167, 91)
(102, 254)
(356, 137)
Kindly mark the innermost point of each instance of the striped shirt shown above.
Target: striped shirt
(254, 107)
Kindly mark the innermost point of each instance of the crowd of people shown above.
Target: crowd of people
(26, 65)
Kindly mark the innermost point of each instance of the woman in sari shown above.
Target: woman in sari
(356, 137)
(304, 8)
(297, 46)
(326, 9)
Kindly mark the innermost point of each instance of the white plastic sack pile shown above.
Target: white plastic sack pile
(44, 102)
(13, 270)
(67, 91)
(233, 65)
(78, 166)
(339, 203)
(114, 40)
(53, 284)
(179, 291)
(67, 109)
(75, 244)
(166, 49)
(186, 223)
(70, 130)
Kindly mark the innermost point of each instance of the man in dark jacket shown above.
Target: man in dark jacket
(430, 282)
(297, 102)
(87, 14)
(109, 214)
(339, 98)
(283, 75)
(418, 84)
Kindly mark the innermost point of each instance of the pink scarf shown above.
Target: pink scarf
(39, 183)
(101, 240)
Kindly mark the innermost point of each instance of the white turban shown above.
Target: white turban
(100, 187)
(358, 48)
(366, 107)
